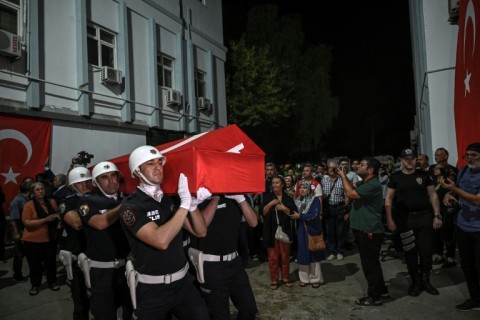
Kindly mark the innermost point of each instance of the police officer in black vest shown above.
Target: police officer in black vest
(80, 182)
(153, 225)
(224, 276)
(107, 246)
(415, 195)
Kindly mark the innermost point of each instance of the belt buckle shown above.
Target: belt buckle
(167, 279)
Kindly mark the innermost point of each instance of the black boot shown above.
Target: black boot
(427, 285)
(416, 288)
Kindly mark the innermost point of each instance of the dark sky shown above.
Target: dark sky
(372, 70)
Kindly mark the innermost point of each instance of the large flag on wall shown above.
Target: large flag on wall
(24, 147)
(467, 76)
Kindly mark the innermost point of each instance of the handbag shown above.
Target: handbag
(280, 235)
(315, 243)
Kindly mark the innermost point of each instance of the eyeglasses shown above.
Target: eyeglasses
(471, 156)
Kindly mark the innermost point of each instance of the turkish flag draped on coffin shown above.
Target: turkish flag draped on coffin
(24, 147)
(223, 160)
(467, 77)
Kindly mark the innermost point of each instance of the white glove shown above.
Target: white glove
(183, 192)
(202, 195)
(237, 197)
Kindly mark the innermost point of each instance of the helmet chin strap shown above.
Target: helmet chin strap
(145, 180)
(111, 196)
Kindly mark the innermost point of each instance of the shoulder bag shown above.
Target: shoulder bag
(315, 243)
(280, 235)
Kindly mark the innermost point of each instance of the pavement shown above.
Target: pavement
(344, 282)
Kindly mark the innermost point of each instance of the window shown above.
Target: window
(200, 89)
(10, 16)
(165, 71)
(101, 46)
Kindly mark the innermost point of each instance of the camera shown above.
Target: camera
(83, 158)
(454, 206)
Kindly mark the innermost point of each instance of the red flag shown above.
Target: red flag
(24, 147)
(467, 77)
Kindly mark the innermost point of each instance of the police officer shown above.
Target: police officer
(225, 277)
(107, 246)
(80, 182)
(154, 230)
(415, 196)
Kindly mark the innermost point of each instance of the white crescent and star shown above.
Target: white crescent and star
(470, 14)
(11, 176)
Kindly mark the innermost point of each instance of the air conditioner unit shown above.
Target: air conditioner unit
(174, 97)
(10, 44)
(203, 104)
(110, 75)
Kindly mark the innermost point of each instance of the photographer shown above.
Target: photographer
(467, 188)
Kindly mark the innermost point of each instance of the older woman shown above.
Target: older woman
(308, 216)
(40, 219)
(277, 208)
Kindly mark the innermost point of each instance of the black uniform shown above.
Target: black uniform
(155, 300)
(76, 243)
(225, 279)
(414, 219)
(109, 289)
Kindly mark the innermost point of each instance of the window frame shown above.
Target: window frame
(19, 10)
(164, 68)
(200, 81)
(101, 42)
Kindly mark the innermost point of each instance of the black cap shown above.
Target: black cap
(408, 153)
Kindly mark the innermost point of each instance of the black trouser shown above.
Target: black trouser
(109, 291)
(369, 246)
(469, 250)
(180, 298)
(38, 255)
(3, 229)
(419, 257)
(18, 259)
(81, 304)
(228, 280)
(335, 229)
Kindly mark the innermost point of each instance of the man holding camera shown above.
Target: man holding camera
(467, 188)
(334, 211)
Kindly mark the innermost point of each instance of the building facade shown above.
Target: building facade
(434, 45)
(113, 74)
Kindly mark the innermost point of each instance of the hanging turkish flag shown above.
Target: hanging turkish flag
(24, 147)
(467, 77)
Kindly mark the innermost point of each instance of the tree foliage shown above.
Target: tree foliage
(254, 94)
(278, 86)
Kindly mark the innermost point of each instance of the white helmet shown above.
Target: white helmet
(78, 174)
(103, 167)
(143, 154)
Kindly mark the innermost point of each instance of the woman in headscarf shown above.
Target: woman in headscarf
(40, 218)
(308, 216)
(277, 208)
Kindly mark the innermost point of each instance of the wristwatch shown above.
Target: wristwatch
(438, 216)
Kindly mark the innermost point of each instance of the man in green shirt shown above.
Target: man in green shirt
(366, 223)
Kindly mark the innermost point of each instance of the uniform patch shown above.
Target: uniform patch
(419, 181)
(84, 209)
(62, 208)
(128, 217)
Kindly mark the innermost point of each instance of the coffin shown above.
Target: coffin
(223, 160)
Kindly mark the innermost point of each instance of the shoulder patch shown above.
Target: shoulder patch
(62, 207)
(128, 217)
(84, 209)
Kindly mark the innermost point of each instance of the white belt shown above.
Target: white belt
(107, 264)
(168, 278)
(215, 258)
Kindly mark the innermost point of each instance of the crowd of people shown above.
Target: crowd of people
(147, 255)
